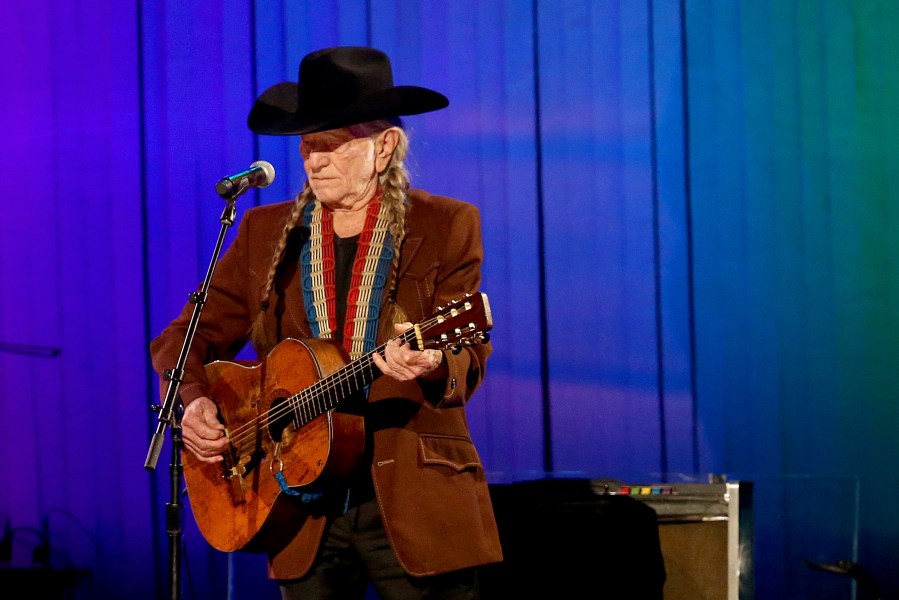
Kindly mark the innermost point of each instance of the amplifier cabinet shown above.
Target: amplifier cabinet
(705, 532)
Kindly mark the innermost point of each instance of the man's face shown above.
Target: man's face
(340, 166)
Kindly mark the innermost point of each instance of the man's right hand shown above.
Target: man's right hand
(202, 432)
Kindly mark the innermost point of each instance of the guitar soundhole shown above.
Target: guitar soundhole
(280, 418)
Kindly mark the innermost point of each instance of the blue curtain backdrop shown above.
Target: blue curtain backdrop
(690, 227)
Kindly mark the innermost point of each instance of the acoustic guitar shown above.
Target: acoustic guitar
(290, 434)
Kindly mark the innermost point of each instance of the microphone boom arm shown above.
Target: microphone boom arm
(170, 415)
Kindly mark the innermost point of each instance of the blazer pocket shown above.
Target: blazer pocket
(421, 271)
(456, 452)
(417, 286)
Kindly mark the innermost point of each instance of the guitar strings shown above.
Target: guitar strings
(251, 429)
(328, 384)
(297, 404)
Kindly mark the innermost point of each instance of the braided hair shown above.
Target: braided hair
(393, 183)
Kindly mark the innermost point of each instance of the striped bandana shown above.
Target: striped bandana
(374, 253)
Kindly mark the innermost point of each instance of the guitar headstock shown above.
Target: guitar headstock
(464, 322)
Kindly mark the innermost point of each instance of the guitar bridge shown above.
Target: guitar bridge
(237, 468)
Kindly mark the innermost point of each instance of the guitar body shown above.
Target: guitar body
(239, 503)
(290, 417)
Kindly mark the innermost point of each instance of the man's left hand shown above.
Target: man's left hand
(402, 362)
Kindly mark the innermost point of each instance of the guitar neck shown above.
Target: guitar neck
(343, 383)
(461, 322)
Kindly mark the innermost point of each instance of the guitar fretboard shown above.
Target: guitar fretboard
(328, 391)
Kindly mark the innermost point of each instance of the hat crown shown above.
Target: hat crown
(339, 87)
(334, 78)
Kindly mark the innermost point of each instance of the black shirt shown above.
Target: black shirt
(344, 255)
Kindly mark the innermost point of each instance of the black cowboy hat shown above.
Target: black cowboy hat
(339, 87)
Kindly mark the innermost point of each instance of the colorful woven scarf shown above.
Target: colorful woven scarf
(374, 253)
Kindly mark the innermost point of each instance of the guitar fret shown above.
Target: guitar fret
(340, 383)
(313, 402)
(324, 401)
(309, 406)
(365, 374)
(302, 416)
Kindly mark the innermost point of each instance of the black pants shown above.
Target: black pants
(355, 552)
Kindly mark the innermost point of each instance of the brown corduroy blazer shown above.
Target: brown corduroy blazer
(428, 478)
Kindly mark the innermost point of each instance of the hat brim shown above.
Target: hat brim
(276, 111)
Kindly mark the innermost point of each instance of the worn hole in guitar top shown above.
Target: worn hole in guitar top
(280, 418)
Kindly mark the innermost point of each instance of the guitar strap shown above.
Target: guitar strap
(305, 497)
(369, 276)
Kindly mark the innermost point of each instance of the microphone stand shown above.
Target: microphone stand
(172, 408)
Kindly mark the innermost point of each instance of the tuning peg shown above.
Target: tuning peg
(484, 337)
(456, 349)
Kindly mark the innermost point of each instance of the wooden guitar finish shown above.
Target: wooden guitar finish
(288, 434)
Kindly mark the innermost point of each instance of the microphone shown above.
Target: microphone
(260, 174)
